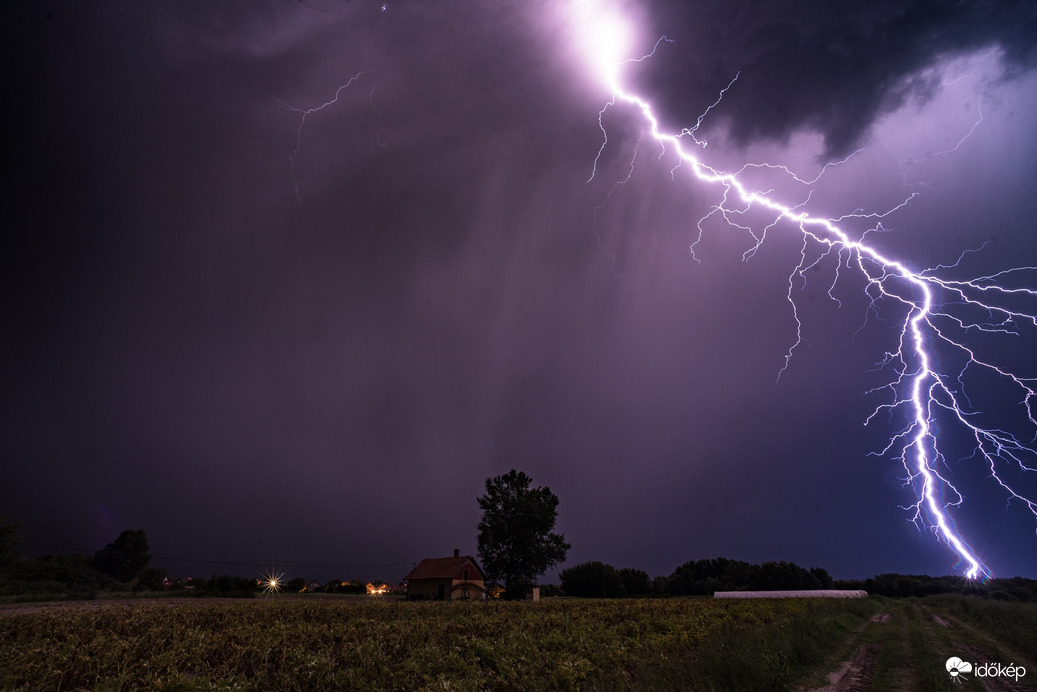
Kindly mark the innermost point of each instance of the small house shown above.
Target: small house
(446, 578)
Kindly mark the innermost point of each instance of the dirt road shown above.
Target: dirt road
(909, 647)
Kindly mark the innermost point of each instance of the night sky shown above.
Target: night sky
(303, 343)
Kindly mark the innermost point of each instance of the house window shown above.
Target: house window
(466, 574)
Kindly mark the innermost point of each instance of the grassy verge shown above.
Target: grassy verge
(911, 646)
(1012, 624)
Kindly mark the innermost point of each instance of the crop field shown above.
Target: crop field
(298, 644)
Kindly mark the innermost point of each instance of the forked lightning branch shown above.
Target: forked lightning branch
(938, 322)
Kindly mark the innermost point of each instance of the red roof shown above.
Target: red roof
(445, 568)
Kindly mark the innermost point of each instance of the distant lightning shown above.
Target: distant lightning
(933, 358)
(306, 112)
(950, 150)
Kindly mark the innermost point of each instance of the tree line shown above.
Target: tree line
(705, 577)
(904, 585)
(516, 545)
(124, 565)
(694, 578)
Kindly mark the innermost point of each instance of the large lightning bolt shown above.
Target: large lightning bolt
(938, 321)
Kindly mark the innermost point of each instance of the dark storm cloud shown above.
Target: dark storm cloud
(831, 67)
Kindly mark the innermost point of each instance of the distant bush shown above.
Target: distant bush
(551, 591)
(120, 566)
(66, 574)
(634, 582)
(598, 580)
(124, 558)
(704, 577)
(353, 586)
(590, 580)
(151, 579)
(227, 586)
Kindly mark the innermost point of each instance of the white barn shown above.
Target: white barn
(813, 593)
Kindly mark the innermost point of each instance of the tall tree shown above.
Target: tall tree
(124, 558)
(516, 538)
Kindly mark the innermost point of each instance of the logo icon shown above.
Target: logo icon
(957, 668)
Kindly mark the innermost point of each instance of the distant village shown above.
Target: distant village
(457, 577)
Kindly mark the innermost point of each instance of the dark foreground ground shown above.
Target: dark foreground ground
(304, 644)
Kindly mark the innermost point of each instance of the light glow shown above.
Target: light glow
(272, 582)
(603, 37)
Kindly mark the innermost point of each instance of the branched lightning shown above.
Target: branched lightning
(306, 112)
(938, 320)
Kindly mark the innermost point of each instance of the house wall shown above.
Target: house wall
(428, 589)
(475, 587)
(453, 589)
